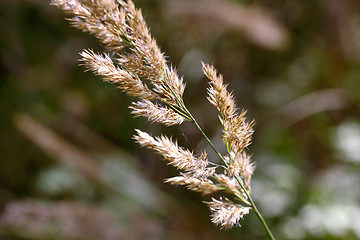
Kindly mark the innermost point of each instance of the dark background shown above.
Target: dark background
(69, 168)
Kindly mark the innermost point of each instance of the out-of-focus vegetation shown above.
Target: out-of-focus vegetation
(70, 170)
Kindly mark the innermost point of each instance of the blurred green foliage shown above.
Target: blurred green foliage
(294, 65)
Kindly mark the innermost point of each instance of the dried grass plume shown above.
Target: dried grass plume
(135, 64)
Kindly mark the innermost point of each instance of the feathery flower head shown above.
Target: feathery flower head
(225, 213)
(180, 158)
(205, 186)
(156, 113)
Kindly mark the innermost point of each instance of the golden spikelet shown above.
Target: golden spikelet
(241, 166)
(218, 95)
(180, 158)
(225, 213)
(205, 186)
(155, 113)
(127, 81)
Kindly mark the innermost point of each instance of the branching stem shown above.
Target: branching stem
(250, 201)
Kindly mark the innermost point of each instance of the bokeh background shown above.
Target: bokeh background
(70, 170)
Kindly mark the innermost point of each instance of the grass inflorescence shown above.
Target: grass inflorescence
(139, 68)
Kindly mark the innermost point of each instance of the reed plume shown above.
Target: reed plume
(135, 63)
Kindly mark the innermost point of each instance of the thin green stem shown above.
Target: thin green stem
(255, 209)
(209, 141)
(228, 147)
(186, 117)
